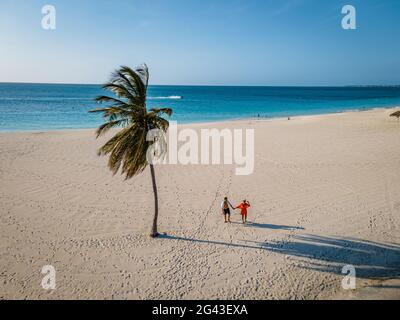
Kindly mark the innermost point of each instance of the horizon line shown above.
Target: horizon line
(214, 85)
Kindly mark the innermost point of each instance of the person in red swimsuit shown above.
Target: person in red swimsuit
(243, 209)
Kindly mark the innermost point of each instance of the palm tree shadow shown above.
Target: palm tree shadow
(385, 287)
(327, 254)
(211, 242)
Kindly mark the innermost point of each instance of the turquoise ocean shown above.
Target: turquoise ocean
(62, 106)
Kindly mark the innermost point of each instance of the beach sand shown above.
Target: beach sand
(325, 193)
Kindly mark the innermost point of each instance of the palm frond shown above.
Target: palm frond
(119, 77)
(167, 111)
(108, 125)
(142, 71)
(119, 90)
(105, 99)
(138, 78)
(127, 148)
(113, 110)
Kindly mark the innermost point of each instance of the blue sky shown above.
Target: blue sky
(204, 42)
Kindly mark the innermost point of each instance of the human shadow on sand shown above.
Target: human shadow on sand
(327, 254)
(268, 226)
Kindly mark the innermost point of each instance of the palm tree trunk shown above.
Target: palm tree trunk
(154, 232)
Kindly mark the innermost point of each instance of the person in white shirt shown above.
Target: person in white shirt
(225, 209)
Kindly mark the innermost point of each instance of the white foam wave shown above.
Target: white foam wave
(166, 98)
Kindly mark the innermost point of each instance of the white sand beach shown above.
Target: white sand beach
(325, 193)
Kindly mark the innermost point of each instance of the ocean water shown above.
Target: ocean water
(55, 106)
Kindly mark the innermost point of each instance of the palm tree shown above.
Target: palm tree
(127, 109)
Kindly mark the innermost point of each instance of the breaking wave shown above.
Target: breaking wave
(166, 98)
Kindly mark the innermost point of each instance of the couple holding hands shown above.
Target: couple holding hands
(225, 204)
